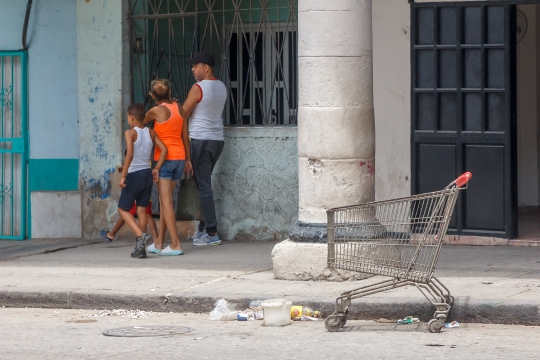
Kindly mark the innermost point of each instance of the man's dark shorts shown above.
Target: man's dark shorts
(138, 188)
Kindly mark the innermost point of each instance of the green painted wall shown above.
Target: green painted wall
(53, 174)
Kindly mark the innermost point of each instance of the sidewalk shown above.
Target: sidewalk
(490, 284)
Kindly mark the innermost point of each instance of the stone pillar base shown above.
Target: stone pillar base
(307, 261)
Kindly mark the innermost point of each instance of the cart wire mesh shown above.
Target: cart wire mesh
(399, 238)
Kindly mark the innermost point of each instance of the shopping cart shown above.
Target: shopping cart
(398, 238)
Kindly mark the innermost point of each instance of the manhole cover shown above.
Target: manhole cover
(147, 331)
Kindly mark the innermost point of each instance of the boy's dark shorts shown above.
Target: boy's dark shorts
(138, 188)
(133, 210)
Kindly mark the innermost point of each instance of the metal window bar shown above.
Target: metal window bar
(264, 91)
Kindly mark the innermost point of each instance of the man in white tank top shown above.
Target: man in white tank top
(204, 108)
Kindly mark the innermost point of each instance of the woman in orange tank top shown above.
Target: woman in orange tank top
(171, 127)
(168, 131)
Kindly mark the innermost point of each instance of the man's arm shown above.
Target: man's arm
(157, 141)
(188, 168)
(150, 115)
(130, 134)
(194, 96)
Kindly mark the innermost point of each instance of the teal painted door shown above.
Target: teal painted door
(13, 145)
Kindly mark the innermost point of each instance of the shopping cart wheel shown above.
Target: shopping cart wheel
(344, 317)
(433, 326)
(335, 322)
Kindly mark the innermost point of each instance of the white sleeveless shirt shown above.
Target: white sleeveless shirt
(206, 120)
(142, 149)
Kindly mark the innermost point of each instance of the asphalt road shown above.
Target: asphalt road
(70, 334)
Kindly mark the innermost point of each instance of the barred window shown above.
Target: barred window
(254, 43)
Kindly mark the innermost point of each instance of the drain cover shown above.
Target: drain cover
(147, 331)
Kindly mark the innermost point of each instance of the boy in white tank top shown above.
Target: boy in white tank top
(137, 177)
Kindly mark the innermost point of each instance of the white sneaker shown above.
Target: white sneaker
(207, 240)
(199, 235)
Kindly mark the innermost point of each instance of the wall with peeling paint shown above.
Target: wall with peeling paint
(256, 183)
(99, 41)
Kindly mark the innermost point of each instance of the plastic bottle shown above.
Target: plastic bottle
(298, 311)
(408, 320)
(245, 316)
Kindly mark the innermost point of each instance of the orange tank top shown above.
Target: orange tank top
(170, 132)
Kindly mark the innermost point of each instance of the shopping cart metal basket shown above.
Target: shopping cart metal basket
(398, 238)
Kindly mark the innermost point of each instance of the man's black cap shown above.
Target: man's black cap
(202, 57)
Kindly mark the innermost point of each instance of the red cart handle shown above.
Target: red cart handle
(463, 179)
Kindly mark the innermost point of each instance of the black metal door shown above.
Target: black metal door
(463, 110)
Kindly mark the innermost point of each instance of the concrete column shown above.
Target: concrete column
(336, 130)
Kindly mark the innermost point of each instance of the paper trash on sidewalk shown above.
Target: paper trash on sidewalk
(255, 310)
(453, 324)
(250, 314)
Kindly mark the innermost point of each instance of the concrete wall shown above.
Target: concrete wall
(100, 50)
(527, 111)
(256, 183)
(55, 217)
(53, 107)
(392, 98)
(52, 72)
(11, 24)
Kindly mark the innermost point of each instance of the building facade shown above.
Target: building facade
(438, 88)
(82, 73)
(39, 101)
(461, 78)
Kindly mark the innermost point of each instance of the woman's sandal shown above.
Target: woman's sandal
(104, 233)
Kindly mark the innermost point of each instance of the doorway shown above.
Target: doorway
(476, 96)
(528, 117)
(463, 110)
(13, 145)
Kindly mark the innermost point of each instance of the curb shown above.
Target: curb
(464, 309)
